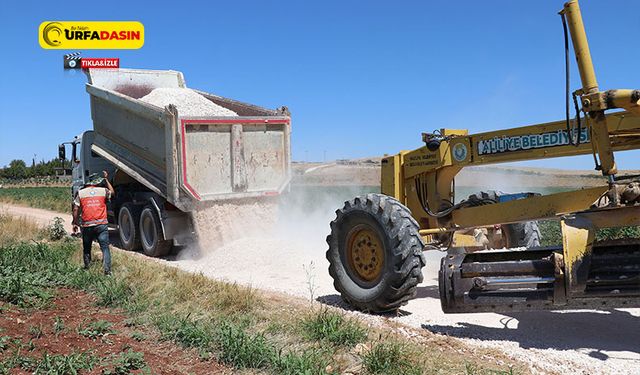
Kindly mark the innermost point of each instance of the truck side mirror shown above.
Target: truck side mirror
(62, 155)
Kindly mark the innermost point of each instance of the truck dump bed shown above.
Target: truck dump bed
(190, 161)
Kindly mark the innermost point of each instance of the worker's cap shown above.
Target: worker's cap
(94, 179)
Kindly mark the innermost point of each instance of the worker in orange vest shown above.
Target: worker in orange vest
(90, 213)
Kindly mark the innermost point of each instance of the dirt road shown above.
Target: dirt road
(577, 342)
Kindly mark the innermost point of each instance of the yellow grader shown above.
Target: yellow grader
(377, 241)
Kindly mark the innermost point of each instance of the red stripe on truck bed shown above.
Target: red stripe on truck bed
(237, 121)
(184, 162)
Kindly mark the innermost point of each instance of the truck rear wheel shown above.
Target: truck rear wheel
(152, 240)
(525, 234)
(375, 253)
(128, 228)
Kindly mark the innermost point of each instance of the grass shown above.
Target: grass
(333, 327)
(49, 198)
(17, 229)
(391, 358)
(223, 321)
(186, 332)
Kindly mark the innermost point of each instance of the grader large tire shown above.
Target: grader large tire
(375, 253)
(151, 236)
(128, 227)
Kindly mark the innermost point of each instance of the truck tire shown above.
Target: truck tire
(525, 234)
(375, 253)
(151, 236)
(128, 228)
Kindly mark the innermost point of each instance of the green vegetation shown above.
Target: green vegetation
(138, 336)
(35, 331)
(49, 198)
(96, 329)
(49, 364)
(58, 325)
(4, 343)
(126, 362)
(18, 169)
(55, 231)
(552, 234)
(391, 358)
(334, 328)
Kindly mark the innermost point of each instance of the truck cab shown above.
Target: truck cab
(84, 162)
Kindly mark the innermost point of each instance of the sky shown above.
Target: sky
(361, 78)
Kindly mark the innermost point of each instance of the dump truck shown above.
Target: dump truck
(377, 241)
(164, 165)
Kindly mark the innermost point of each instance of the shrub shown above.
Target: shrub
(55, 231)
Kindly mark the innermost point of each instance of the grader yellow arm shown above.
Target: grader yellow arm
(376, 241)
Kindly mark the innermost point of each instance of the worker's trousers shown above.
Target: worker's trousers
(100, 233)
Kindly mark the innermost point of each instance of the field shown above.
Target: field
(49, 198)
(58, 318)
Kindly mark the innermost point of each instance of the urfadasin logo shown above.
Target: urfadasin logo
(52, 34)
(91, 35)
(72, 60)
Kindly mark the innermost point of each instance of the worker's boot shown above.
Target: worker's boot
(87, 260)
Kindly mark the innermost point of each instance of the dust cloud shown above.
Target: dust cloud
(277, 244)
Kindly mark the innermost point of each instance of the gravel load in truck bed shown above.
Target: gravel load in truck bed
(188, 102)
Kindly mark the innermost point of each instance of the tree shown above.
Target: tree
(16, 169)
